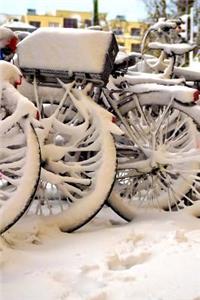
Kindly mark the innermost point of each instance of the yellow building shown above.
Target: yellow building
(43, 20)
(80, 19)
(63, 18)
(128, 34)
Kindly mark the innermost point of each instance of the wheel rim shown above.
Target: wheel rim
(70, 190)
(173, 164)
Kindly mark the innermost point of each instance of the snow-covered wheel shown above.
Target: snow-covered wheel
(19, 170)
(79, 160)
(162, 169)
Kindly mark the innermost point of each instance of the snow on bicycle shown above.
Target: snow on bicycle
(78, 158)
(72, 78)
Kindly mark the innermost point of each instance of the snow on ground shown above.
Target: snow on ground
(156, 257)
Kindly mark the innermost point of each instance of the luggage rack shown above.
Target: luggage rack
(49, 77)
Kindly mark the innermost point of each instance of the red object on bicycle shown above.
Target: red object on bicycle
(18, 82)
(114, 119)
(196, 96)
(37, 115)
(12, 44)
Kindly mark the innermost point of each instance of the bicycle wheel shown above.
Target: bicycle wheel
(79, 161)
(159, 167)
(19, 167)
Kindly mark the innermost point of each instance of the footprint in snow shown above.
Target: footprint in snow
(89, 268)
(116, 263)
(101, 295)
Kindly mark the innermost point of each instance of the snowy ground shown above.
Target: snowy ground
(156, 257)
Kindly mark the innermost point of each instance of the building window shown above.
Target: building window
(31, 11)
(53, 24)
(87, 23)
(120, 18)
(35, 23)
(118, 31)
(70, 23)
(135, 47)
(135, 31)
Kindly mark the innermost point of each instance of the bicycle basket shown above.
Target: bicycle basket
(66, 53)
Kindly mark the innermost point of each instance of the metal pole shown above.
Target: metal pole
(191, 33)
(95, 19)
(186, 8)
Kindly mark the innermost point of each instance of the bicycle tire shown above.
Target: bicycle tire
(64, 203)
(19, 179)
(180, 188)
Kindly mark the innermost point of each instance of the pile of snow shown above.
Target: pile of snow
(157, 256)
(75, 50)
(19, 25)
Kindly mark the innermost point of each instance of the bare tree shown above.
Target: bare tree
(165, 8)
(172, 9)
(183, 6)
(156, 9)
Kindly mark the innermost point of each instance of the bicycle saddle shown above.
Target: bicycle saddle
(177, 49)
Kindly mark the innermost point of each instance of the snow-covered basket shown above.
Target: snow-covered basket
(67, 53)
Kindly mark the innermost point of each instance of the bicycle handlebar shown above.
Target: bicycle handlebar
(161, 26)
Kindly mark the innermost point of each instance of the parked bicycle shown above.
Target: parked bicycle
(164, 128)
(158, 155)
(77, 150)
